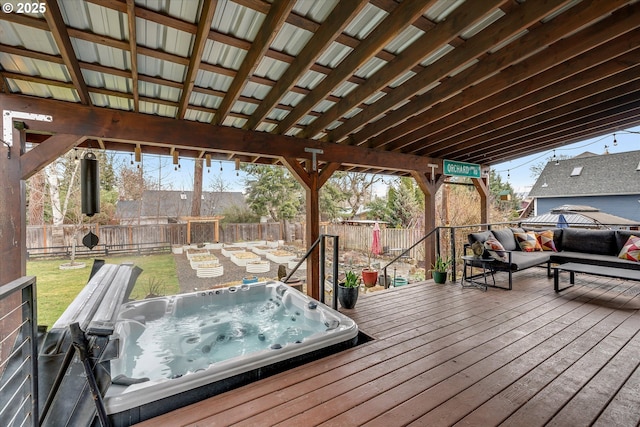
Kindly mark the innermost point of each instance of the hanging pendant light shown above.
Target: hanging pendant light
(90, 184)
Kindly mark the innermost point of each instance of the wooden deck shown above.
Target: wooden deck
(444, 355)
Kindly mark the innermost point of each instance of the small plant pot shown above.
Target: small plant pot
(369, 277)
(439, 276)
(347, 296)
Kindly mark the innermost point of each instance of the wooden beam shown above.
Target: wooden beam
(482, 187)
(560, 52)
(339, 18)
(274, 20)
(529, 44)
(407, 12)
(133, 127)
(528, 113)
(432, 41)
(429, 188)
(133, 51)
(204, 26)
(44, 153)
(59, 32)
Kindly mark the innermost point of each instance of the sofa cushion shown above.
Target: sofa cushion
(598, 242)
(527, 241)
(593, 259)
(622, 236)
(505, 236)
(631, 249)
(479, 236)
(522, 260)
(495, 249)
(545, 240)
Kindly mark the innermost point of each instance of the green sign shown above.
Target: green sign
(471, 170)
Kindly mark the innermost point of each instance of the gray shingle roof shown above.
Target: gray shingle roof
(605, 174)
(178, 203)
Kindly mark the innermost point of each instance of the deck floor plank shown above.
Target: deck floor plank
(443, 355)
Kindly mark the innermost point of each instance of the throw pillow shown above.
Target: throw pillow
(545, 240)
(495, 249)
(631, 249)
(527, 241)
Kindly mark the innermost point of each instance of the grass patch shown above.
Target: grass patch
(57, 288)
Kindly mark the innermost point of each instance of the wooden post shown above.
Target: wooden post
(13, 218)
(482, 187)
(312, 181)
(429, 188)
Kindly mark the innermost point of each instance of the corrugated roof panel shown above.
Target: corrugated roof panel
(100, 100)
(323, 106)
(277, 114)
(255, 90)
(291, 39)
(334, 124)
(373, 98)
(27, 37)
(271, 68)
(266, 127)
(482, 24)
(404, 40)
(95, 18)
(198, 116)
(213, 81)
(436, 55)
(370, 67)
(344, 89)
(291, 98)
(315, 10)
(306, 120)
(107, 81)
(560, 11)
(156, 67)
(185, 10)
(242, 107)
(443, 8)
(333, 55)
(34, 67)
(464, 67)
(403, 78)
(152, 90)
(205, 100)
(155, 36)
(222, 54)
(352, 113)
(366, 21)
(43, 91)
(239, 21)
(157, 109)
(235, 122)
(101, 54)
(310, 79)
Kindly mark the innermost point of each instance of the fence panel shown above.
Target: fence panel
(392, 240)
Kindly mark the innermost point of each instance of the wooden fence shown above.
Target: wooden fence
(392, 240)
(49, 241)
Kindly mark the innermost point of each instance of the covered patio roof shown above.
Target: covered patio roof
(480, 82)
(377, 86)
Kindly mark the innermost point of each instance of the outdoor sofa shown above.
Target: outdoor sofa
(557, 245)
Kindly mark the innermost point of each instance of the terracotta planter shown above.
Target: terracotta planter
(347, 296)
(369, 277)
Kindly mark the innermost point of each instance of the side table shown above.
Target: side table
(469, 280)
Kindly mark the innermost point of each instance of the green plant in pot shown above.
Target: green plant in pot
(440, 268)
(348, 290)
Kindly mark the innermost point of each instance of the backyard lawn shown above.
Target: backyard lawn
(56, 288)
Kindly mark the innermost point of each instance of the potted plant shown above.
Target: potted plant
(369, 274)
(440, 268)
(348, 290)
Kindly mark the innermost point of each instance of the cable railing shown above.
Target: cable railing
(323, 249)
(19, 354)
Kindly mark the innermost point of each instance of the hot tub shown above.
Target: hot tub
(180, 349)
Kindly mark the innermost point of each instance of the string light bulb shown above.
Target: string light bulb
(75, 150)
(615, 142)
(131, 157)
(221, 166)
(207, 160)
(176, 160)
(237, 167)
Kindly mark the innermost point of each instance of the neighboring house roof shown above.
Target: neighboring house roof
(590, 175)
(577, 216)
(178, 204)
